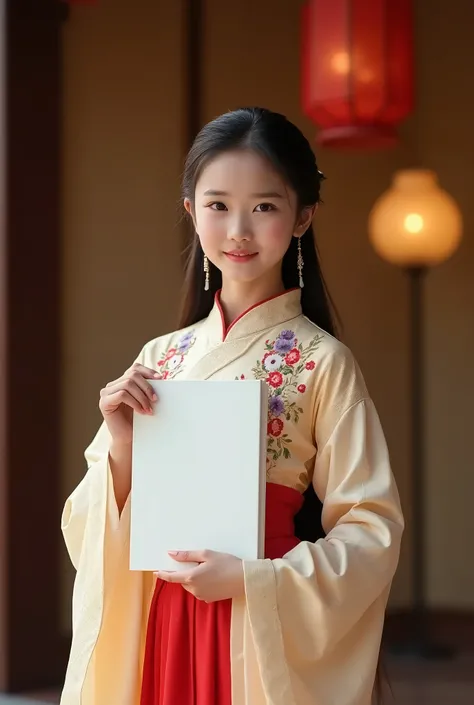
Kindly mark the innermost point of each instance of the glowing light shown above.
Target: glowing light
(414, 223)
(340, 63)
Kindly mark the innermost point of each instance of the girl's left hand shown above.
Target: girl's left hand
(219, 576)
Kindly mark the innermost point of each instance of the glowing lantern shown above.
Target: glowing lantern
(357, 69)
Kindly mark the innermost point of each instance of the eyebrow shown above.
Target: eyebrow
(266, 194)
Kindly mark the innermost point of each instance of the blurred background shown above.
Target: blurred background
(100, 101)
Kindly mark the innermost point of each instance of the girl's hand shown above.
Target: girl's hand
(219, 576)
(121, 397)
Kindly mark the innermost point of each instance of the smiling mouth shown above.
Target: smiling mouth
(240, 257)
(240, 254)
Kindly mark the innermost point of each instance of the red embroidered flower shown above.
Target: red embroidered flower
(242, 376)
(165, 375)
(160, 363)
(171, 353)
(275, 427)
(275, 379)
(310, 365)
(302, 388)
(293, 357)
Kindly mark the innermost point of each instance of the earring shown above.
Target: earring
(300, 263)
(206, 272)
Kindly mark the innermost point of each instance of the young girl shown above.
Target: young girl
(302, 626)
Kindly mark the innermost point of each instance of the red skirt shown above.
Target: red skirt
(187, 653)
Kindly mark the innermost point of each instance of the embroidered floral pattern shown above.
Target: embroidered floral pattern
(171, 360)
(285, 359)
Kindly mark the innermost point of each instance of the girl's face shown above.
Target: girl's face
(245, 216)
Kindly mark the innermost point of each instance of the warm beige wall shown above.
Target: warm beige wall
(123, 141)
(445, 142)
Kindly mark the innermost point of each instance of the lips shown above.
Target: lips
(240, 253)
(240, 256)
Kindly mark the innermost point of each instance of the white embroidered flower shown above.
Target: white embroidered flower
(175, 361)
(272, 362)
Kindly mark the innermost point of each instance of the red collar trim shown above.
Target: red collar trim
(225, 331)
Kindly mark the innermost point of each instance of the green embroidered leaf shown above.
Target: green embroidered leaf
(286, 453)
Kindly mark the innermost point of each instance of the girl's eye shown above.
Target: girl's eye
(264, 208)
(217, 206)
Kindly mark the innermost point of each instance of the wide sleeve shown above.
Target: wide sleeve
(95, 496)
(316, 596)
(96, 484)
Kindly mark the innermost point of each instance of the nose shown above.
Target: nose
(239, 228)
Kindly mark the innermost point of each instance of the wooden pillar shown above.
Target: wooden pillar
(30, 357)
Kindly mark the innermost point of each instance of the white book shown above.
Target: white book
(199, 472)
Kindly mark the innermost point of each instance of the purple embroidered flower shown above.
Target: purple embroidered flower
(185, 342)
(276, 405)
(285, 341)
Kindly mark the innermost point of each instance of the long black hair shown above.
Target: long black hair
(287, 149)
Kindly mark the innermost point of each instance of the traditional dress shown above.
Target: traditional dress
(308, 630)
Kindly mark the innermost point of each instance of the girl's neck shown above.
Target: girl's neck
(237, 297)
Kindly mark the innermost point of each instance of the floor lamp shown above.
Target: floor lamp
(416, 225)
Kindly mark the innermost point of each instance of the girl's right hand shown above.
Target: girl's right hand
(120, 398)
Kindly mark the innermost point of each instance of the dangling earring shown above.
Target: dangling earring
(206, 272)
(300, 263)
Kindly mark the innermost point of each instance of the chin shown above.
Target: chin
(241, 273)
(242, 279)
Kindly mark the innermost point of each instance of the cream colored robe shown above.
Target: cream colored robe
(308, 631)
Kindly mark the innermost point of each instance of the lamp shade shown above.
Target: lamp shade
(357, 70)
(415, 223)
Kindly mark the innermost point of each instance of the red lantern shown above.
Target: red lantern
(357, 69)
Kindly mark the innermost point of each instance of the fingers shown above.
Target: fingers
(182, 577)
(112, 400)
(129, 393)
(191, 556)
(139, 374)
(145, 372)
(131, 389)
